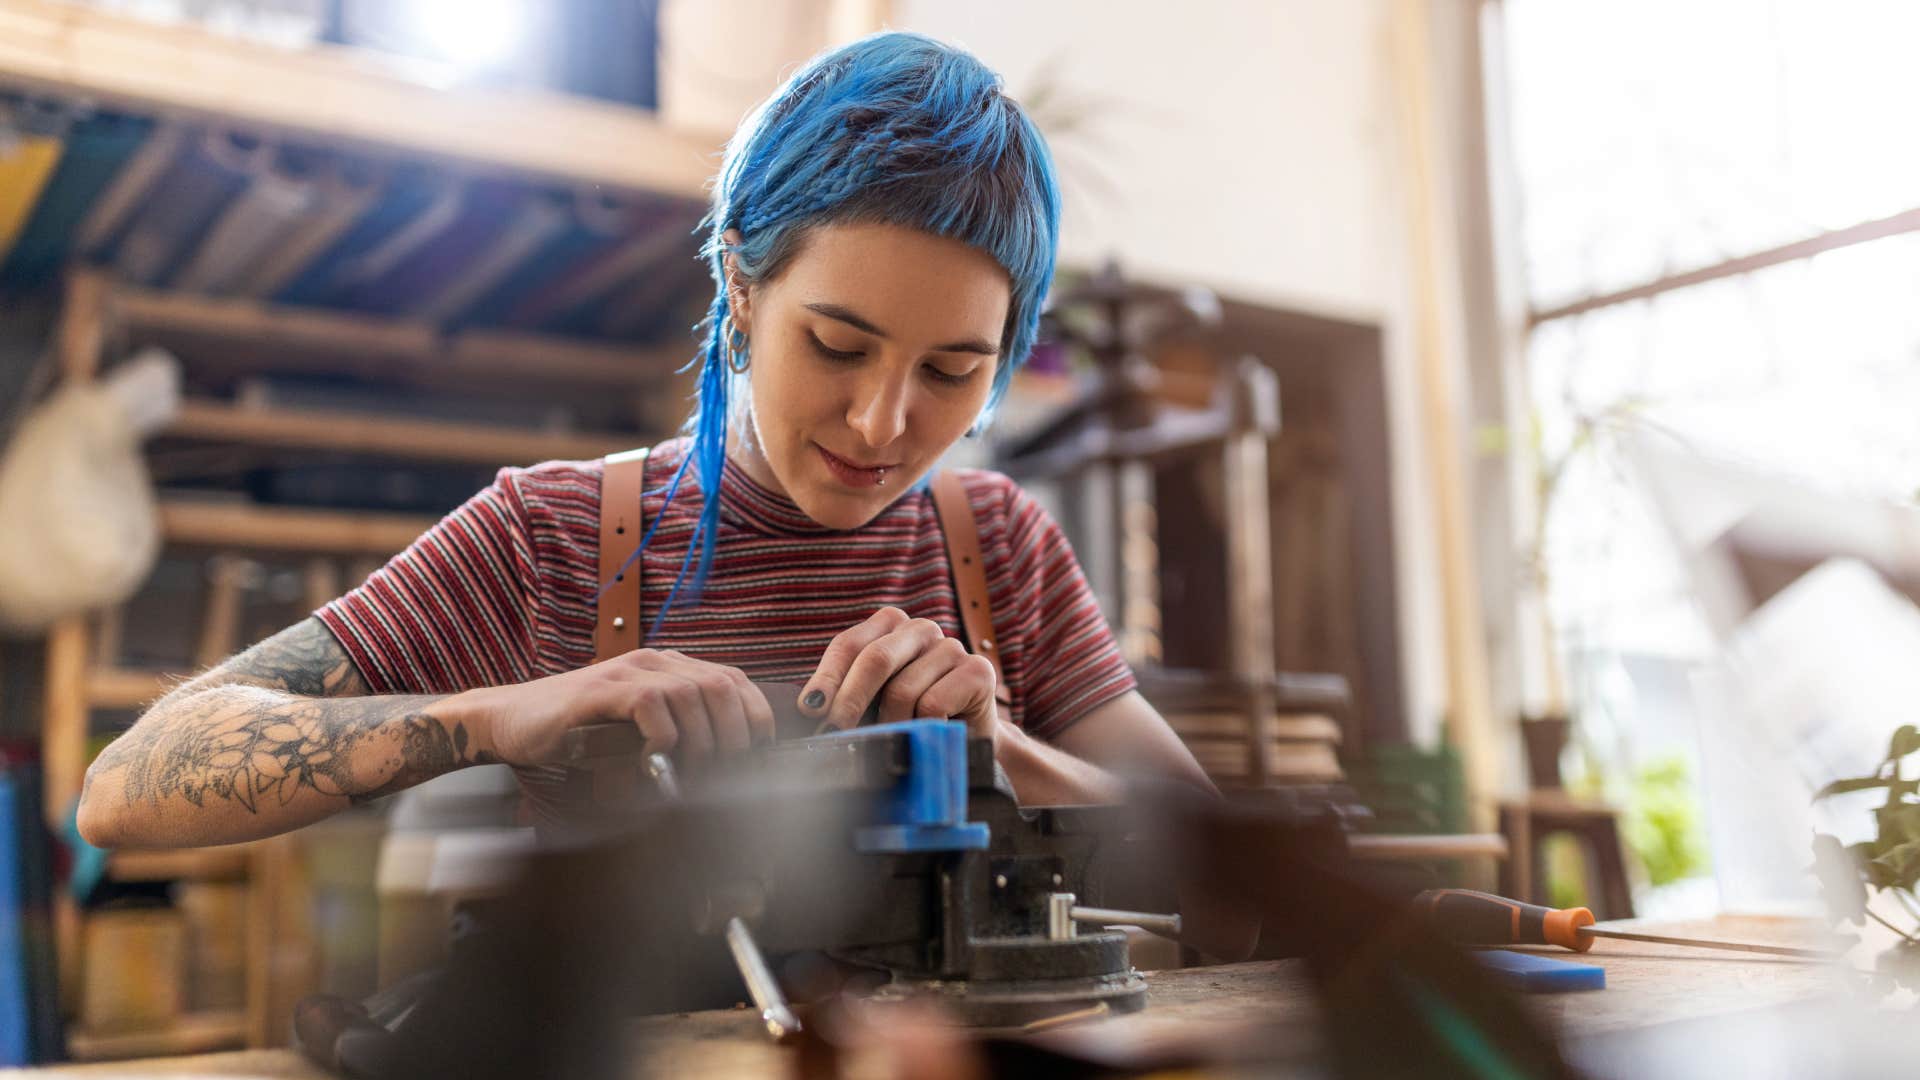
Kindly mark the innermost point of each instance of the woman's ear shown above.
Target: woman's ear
(738, 293)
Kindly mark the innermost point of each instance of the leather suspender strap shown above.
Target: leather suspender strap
(617, 618)
(969, 573)
(616, 626)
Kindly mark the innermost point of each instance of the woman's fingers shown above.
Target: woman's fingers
(901, 699)
(965, 693)
(877, 663)
(759, 711)
(687, 704)
(823, 689)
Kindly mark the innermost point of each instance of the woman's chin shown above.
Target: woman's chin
(843, 510)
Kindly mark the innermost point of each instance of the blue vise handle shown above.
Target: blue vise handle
(925, 809)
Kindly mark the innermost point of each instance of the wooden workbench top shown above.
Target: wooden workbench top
(1646, 984)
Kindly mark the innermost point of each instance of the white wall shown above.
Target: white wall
(1253, 146)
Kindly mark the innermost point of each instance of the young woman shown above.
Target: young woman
(881, 237)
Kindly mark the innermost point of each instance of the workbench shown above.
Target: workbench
(1647, 985)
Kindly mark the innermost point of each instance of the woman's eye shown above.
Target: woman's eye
(949, 377)
(831, 353)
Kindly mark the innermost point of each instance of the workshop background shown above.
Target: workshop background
(1559, 360)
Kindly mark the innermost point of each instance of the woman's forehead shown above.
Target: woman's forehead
(904, 281)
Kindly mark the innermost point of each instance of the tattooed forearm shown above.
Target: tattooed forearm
(259, 747)
(303, 659)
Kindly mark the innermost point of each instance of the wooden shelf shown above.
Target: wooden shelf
(194, 1033)
(227, 863)
(345, 96)
(237, 525)
(429, 440)
(278, 337)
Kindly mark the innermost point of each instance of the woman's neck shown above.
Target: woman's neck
(744, 451)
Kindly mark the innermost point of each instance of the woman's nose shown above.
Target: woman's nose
(879, 410)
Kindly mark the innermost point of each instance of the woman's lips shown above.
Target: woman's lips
(850, 474)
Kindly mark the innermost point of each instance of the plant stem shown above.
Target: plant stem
(1909, 938)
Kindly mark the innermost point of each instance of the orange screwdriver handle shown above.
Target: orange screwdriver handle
(1477, 918)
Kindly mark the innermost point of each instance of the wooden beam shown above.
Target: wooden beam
(194, 1033)
(82, 329)
(266, 328)
(275, 529)
(429, 440)
(63, 735)
(285, 336)
(1438, 368)
(344, 95)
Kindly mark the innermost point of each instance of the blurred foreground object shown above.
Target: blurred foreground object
(81, 526)
(850, 864)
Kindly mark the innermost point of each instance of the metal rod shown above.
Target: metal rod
(1736, 946)
(1167, 926)
(661, 769)
(1060, 924)
(780, 1022)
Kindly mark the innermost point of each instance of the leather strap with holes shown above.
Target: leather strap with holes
(969, 574)
(616, 626)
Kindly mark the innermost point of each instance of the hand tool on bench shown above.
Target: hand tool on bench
(1477, 918)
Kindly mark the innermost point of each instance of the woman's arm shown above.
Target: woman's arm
(285, 734)
(279, 736)
(1090, 760)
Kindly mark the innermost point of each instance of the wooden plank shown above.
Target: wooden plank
(345, 96)
(432, 440)
(227, 580)
(82, 331)
(274, 529)
(1233, 725)
(110, 687)
(265, 328)
(191, 1034)
(1436, 348)
(1420, 846)
(64, 725)
(227, 863)
(296, 338)
(1647, 985)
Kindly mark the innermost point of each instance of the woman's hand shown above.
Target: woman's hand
(680, 704)
(910, 666)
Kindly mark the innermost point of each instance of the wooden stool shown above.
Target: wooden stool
(1528, 822)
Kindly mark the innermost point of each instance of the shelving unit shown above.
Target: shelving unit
(101, 317)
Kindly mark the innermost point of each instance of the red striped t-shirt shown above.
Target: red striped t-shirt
(502, 590)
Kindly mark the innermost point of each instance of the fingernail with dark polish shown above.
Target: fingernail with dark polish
(814, 699)
(826, 728)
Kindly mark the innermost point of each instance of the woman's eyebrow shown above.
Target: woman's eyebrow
(853, 319)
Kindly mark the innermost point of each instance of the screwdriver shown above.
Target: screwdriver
(1477, 918)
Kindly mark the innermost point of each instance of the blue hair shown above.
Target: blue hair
(895, 129)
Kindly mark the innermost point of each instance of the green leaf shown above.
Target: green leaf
(1902, 862)
(1841, 787)
(1899, 823)
(1863, 855)
(1905, 741)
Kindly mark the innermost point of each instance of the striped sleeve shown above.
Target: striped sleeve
(1069, 663)
(455, 609)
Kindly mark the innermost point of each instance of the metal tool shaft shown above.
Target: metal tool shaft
(765, 990)
(1698, 943)
(1167, 926)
